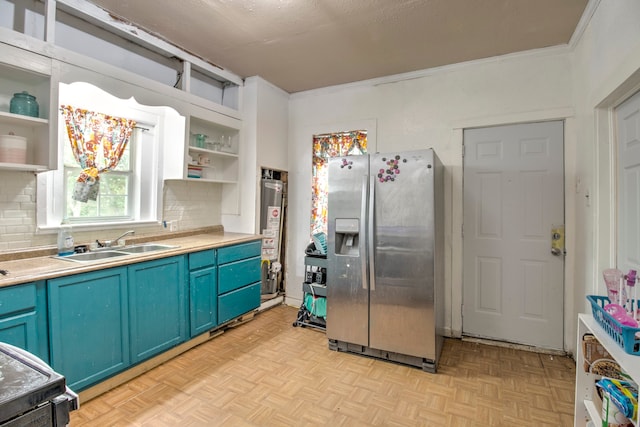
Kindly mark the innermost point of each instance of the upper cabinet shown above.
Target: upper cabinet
(210, 152)
(24, 71)
(213, 151)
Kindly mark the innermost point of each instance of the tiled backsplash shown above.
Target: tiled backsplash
(191, 204)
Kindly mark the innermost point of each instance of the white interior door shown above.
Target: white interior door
(628, 133)
(513, 285)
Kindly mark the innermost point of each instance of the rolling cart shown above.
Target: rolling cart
(313, 310)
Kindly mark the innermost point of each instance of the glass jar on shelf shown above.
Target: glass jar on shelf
(25, 104)
(198, 140)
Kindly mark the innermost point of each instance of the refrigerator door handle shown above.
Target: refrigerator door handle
(370, 235)
(363, 218)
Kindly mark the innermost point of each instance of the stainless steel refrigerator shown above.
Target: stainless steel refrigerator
(385, 253)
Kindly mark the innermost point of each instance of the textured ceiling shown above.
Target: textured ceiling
(306, 44)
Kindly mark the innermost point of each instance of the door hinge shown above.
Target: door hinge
(464, 149)
(462, 230)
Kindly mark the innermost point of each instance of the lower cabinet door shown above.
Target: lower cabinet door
(89, 326)
(21, 331)
(238, 302)
(203, 298)
(157, 306)
(23, 318)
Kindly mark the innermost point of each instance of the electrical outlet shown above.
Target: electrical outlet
(173, 225)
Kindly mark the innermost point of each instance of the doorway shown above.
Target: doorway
(273, 225)
(627, 122)
(513, 234)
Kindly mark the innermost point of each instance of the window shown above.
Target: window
(116, 187)
(324, 147)
(132, 191)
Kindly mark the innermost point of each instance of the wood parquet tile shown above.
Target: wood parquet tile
(268, 373)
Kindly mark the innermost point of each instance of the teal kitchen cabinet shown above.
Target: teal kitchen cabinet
(157, 306)
(23, 318)
(238, 280)
(89, 326)
(203, 292)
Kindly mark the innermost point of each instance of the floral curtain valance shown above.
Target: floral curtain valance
(97, 141)
(324, 147)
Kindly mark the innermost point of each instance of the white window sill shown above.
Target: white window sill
(96, 226)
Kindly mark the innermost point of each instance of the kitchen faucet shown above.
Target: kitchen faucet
(109, 243)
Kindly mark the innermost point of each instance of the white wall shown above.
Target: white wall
(606, 71)
(264, 133)
(420, 110)
(272, 124)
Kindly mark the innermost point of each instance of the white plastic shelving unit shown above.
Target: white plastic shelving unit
(586, 413)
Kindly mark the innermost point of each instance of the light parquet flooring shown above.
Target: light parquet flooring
(268, 373)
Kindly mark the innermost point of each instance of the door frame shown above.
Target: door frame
(605, 189)
(554, 129)
(454, 220)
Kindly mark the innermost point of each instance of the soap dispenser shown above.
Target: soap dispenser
(65, 241)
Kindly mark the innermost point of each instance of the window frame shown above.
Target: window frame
(151, 131)
(627, 232)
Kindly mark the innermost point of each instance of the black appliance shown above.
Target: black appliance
(31, 393)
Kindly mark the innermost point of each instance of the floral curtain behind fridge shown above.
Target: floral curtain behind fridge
(97, 141)
(324, 147)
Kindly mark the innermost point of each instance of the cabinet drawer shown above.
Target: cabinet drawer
(237, 274)
(238, 302)
(17, 298)
(237, 252)
(202, 259)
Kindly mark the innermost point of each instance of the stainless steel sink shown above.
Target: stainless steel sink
(92, 256)
(107, 254)
(144, 248)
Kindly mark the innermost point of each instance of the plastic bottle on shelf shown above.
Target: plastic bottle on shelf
(65, 241)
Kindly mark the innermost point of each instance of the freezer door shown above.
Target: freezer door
(402, 288)
(347, 288)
